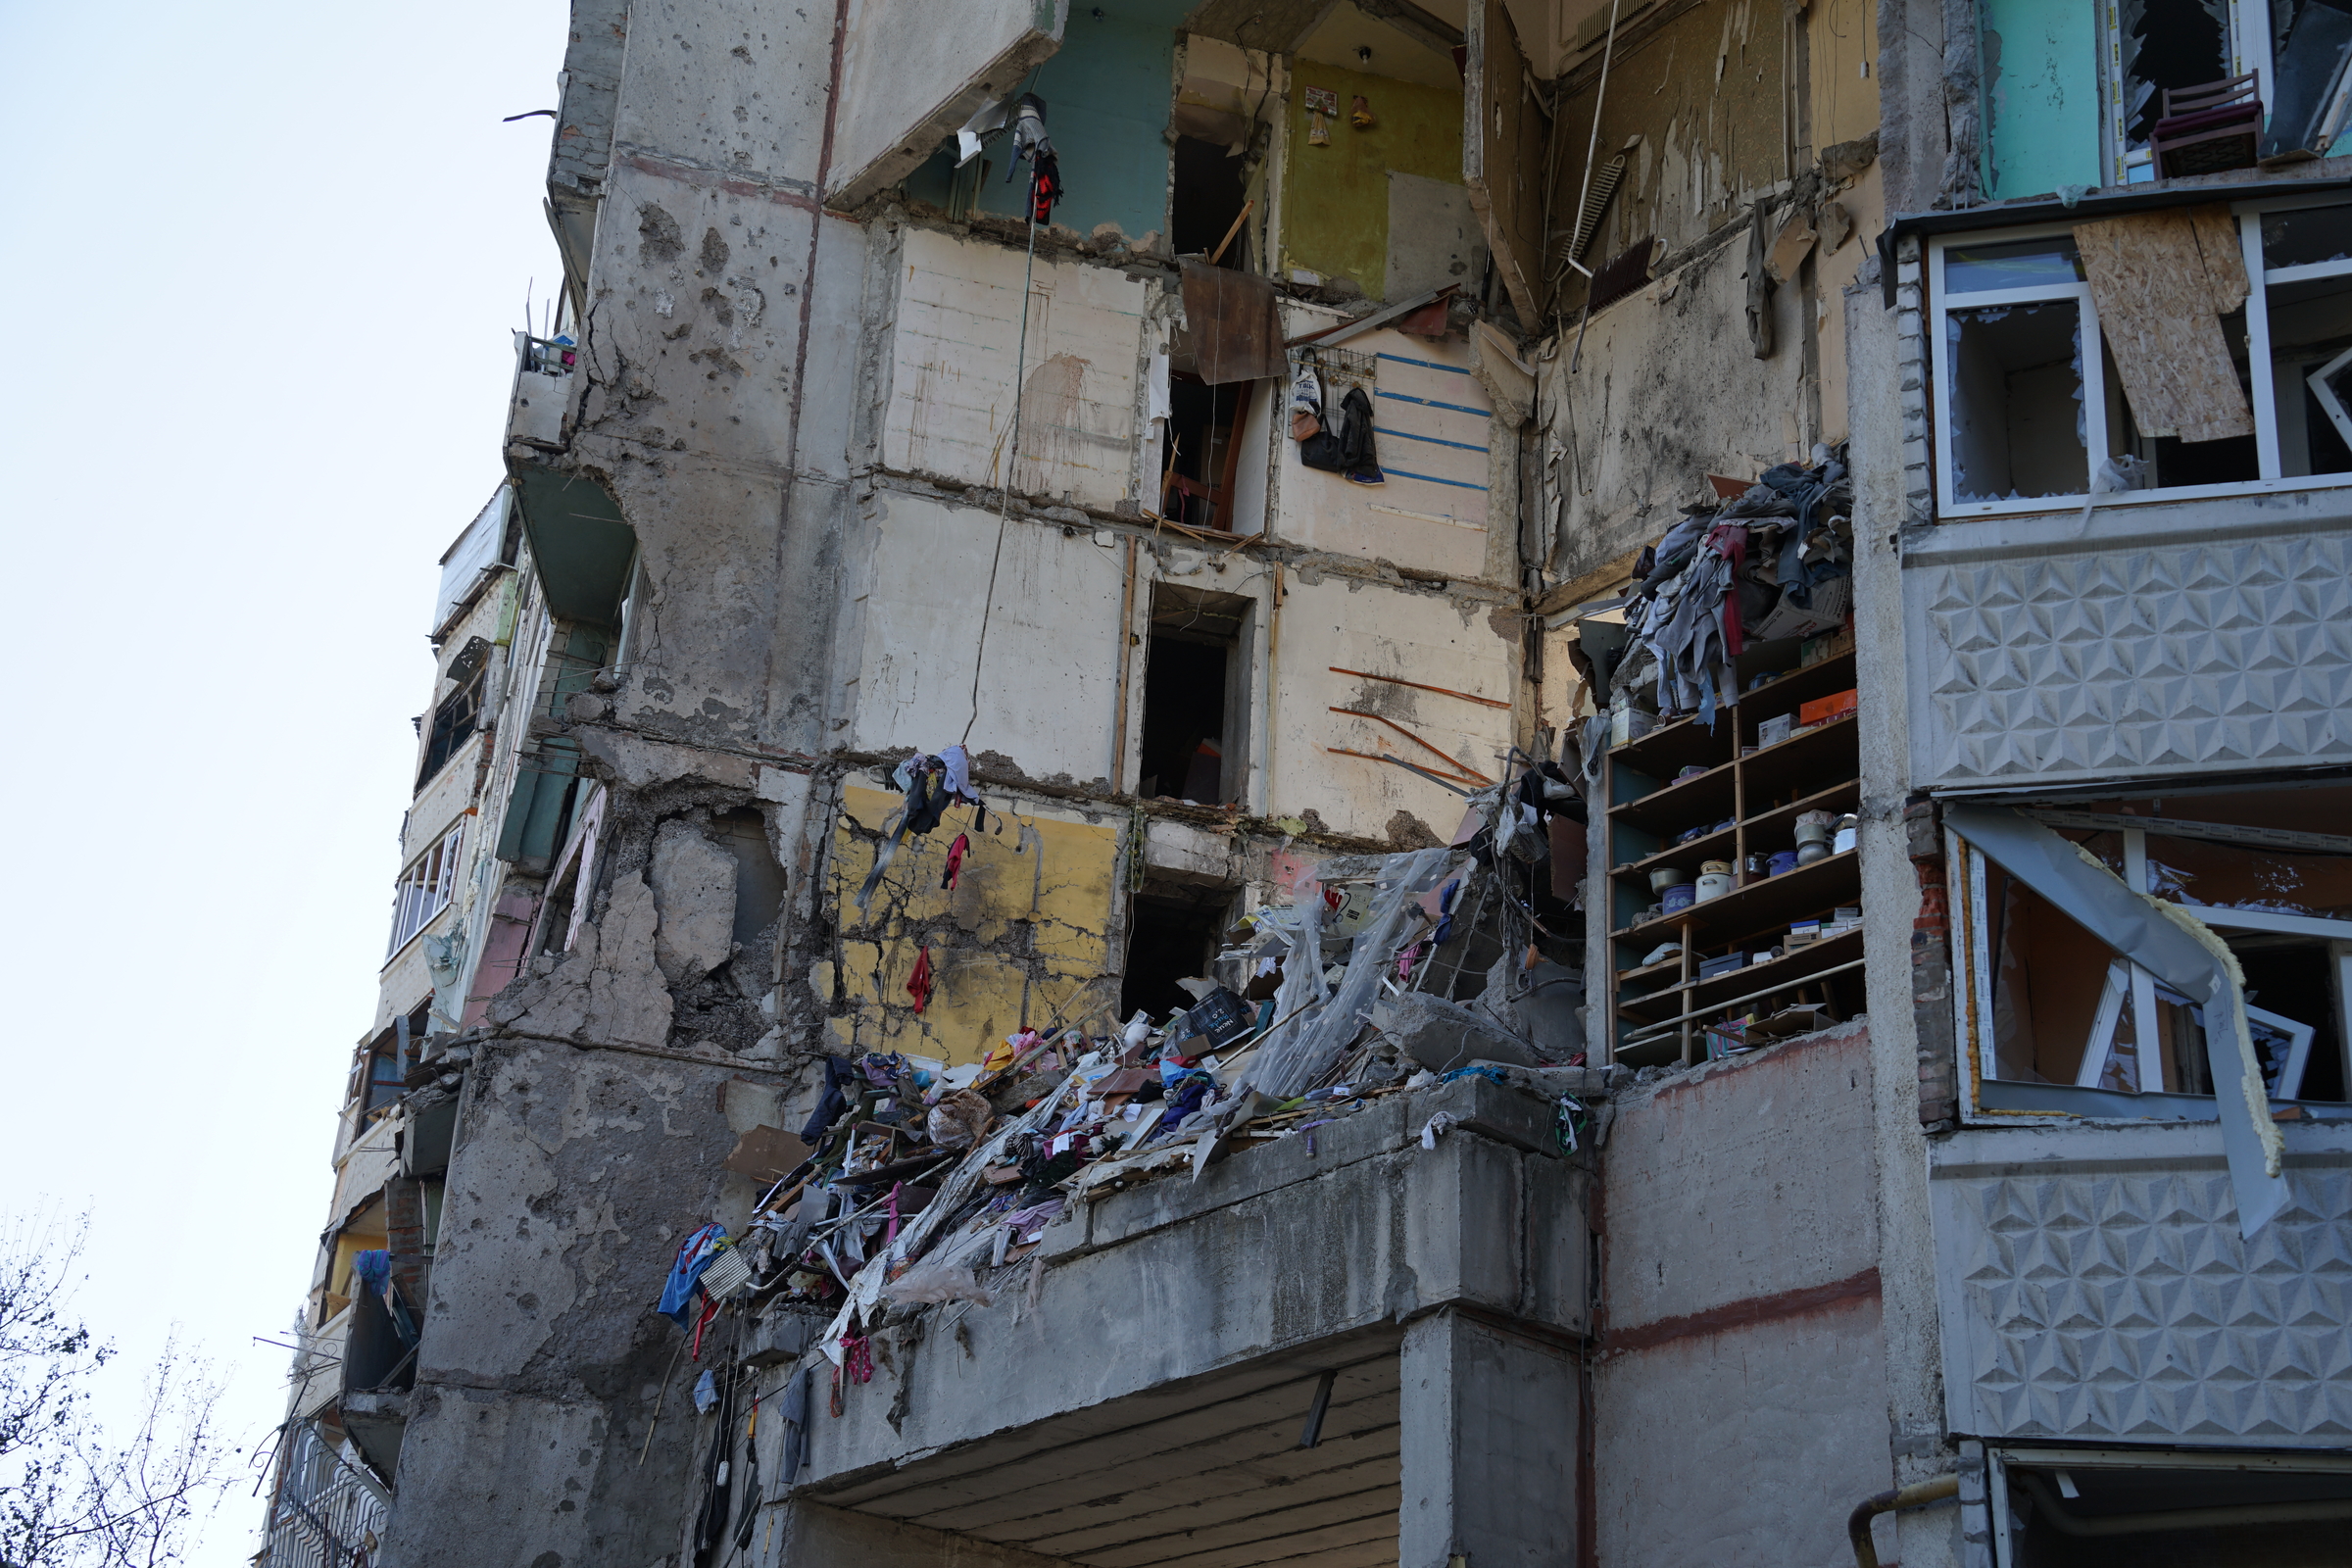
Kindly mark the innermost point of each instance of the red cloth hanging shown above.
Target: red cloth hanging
(918, 984)
(956, 854)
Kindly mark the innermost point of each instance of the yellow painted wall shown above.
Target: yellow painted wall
(1334, 216)
(1842, 39)
(989, 974)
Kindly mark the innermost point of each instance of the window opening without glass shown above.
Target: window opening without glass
(2052, 1005)
(1195, 697)
(2029, 407)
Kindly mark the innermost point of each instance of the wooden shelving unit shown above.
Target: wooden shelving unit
(1747, 804)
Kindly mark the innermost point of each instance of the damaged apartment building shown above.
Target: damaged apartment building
(1459, 783)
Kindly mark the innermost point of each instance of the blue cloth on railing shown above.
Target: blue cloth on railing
(694, 1255)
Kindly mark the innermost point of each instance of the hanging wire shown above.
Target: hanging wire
(1012, 453)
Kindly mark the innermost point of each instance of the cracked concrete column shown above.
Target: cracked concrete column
(1490, 1423)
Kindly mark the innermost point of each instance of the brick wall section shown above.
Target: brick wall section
(404, 1226)
(1932, 969)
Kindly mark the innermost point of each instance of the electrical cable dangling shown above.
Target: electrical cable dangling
(1030, 142)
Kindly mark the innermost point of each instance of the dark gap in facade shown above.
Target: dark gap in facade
(1198, 454)
(1207, 198)
(1195, 697)
(1170, 936)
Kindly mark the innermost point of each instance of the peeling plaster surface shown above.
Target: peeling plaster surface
(1667, 392)
(1022, 929)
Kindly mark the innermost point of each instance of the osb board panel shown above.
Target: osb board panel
(2161, 282)
(1022, 929)
(954, 345)
(1705, 94)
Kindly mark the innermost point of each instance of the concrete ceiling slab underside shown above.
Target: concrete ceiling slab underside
(1206, 1474)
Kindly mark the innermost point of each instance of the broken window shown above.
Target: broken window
(2054, 1003)
(2018, 427)
(2153, 45)
(457, 714)
(2179, 407)
(2309, 42)
(2307, 258)
(424, 889)
(1195, 697)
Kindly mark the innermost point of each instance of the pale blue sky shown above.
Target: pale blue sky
(260, 266)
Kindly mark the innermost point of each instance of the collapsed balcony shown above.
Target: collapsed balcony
(1385, 1070)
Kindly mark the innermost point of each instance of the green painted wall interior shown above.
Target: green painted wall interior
(1107, 92)
(1334, 216)
(2040, 65)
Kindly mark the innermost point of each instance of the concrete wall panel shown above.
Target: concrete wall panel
(733, 87)
(2095, 1288)
(697, 305)
(956, 333)
(1437, 639)
(1432, 423)
(1742, 1448)
(1048, 676)
(1743, 1181)
(574, 1177)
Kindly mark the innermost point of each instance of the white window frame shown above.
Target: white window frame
(2135, 988)
(2249, 50)
(424, 889)
(2249, 217)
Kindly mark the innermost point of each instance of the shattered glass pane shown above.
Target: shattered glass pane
(2302, 239)
(2017, 401)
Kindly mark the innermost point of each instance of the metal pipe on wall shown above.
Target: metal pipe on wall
(1916, 1495)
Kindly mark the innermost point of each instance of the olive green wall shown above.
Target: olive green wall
(1334, 216)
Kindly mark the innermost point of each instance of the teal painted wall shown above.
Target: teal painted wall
(1107, 91)
(2040, 63)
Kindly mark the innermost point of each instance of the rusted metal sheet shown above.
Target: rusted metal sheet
(1235, 331)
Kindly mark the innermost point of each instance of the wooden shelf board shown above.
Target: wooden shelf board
(1832, 674)
(1760, 906)
(1683, 798)
(1696, 996)
(1697, 849)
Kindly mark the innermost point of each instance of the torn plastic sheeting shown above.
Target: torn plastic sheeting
(866, 1288)
(1286, 1066)
(2172, 944)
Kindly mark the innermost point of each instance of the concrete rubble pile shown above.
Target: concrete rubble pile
(918, 1183)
